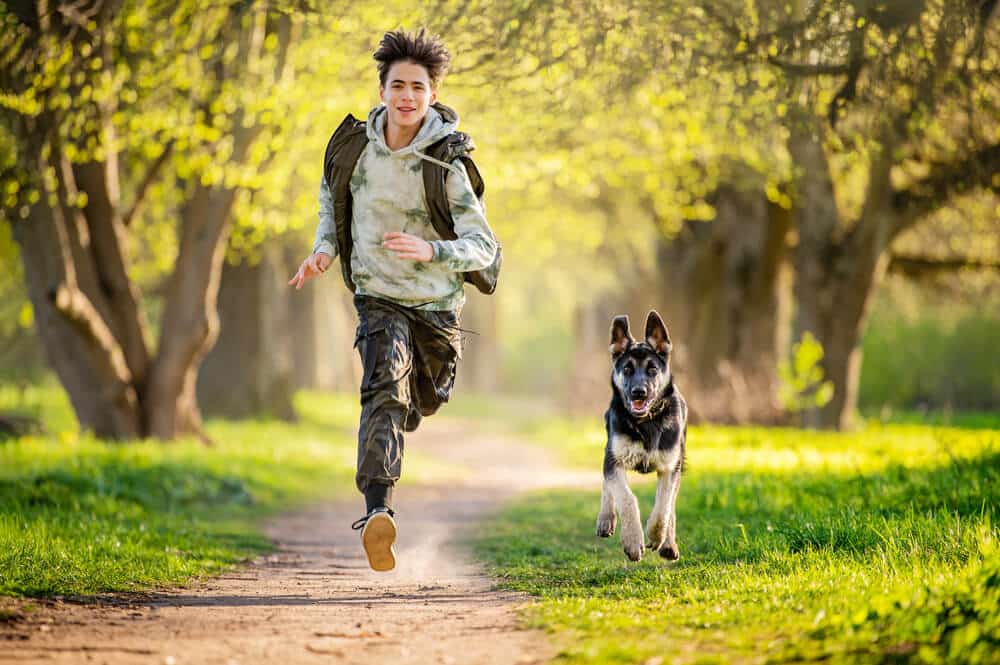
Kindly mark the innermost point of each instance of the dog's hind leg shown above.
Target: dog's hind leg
(628, 510)
(657, 524)
(668, 549)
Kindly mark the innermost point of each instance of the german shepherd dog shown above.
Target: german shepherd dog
(647, 426)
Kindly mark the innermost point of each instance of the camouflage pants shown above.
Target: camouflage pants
(409, 358)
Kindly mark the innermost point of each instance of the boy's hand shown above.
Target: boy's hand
(315, 265)
(408, 246)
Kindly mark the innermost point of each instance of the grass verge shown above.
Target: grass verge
(880, 546)
(80, 516)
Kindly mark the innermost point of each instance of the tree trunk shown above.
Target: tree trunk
(190, 322)
(332, 324)
(723, 289)
(249, 371)
(98, 387)
(323, 323)
(80, 346)
(726, 294)
(100, 182)
(303, 314)
(87, 311)
(837, 270)
(588, 390)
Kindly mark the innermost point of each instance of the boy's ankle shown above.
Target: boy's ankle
(378, 496)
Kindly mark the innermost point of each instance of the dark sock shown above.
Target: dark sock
(378, 496)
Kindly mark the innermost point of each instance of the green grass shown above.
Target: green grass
(880, 546)
(959, 419)
(923, 346)
(79, 516)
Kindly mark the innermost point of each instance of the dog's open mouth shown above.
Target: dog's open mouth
(640, 406)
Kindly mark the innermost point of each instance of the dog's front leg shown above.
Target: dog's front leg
(628, 510)
(668, 549)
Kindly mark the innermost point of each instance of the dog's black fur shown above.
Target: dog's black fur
(646, 425)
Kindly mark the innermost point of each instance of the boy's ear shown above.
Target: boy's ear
(656, 333)
(620, 337)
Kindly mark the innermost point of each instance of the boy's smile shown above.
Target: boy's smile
(407, 95)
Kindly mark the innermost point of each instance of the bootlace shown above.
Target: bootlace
(360, 523)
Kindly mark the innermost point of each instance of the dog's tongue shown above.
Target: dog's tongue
(638, 404)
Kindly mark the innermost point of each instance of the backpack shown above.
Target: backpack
(342, 153)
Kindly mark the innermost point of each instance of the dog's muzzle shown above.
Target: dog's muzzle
(639, 401)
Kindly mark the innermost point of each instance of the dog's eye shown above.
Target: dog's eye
(651, 370)
(628, 370)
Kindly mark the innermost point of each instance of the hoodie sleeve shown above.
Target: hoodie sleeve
(475, 246)
(326, 230)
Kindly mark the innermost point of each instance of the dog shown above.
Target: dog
(646, 425)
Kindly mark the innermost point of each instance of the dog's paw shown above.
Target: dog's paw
(656, 534)
(632, 542)
(633, 551)
(605, 525)
(670, 552)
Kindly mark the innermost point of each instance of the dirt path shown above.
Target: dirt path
(315, 601)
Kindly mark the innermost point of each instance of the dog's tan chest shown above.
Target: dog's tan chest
(632, 455)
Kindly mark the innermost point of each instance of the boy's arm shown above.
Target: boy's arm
(326, 230)
(475, 246)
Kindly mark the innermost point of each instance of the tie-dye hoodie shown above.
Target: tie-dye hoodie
(388, 195)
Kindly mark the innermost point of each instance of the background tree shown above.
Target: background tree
(88, 99)
(636, 156)
(872, 117)
(893, 112)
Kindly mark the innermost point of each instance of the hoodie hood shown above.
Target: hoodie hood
(439, 122)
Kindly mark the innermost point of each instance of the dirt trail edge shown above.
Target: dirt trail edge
(314, 600)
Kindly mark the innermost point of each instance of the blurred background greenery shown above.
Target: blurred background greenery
(807, 191)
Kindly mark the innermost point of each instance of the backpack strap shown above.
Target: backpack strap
(342, 153)
(455, 146)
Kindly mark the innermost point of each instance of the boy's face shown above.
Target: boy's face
(407, 94)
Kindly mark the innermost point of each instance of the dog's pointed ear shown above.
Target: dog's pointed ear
(620, 337)
(656, 333)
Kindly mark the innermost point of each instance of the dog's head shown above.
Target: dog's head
(640, 370)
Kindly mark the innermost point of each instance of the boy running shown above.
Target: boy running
(387, 186)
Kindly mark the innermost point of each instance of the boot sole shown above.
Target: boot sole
(378, 539)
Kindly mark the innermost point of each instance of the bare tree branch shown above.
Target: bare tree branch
(943, 182)
(151, 174)
(77, 308)
(801, 69)
(916, 267)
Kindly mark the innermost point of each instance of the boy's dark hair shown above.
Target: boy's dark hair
(419, 48)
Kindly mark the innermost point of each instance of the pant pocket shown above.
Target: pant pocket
(385, 357)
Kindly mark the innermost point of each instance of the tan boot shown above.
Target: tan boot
(378, 537)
